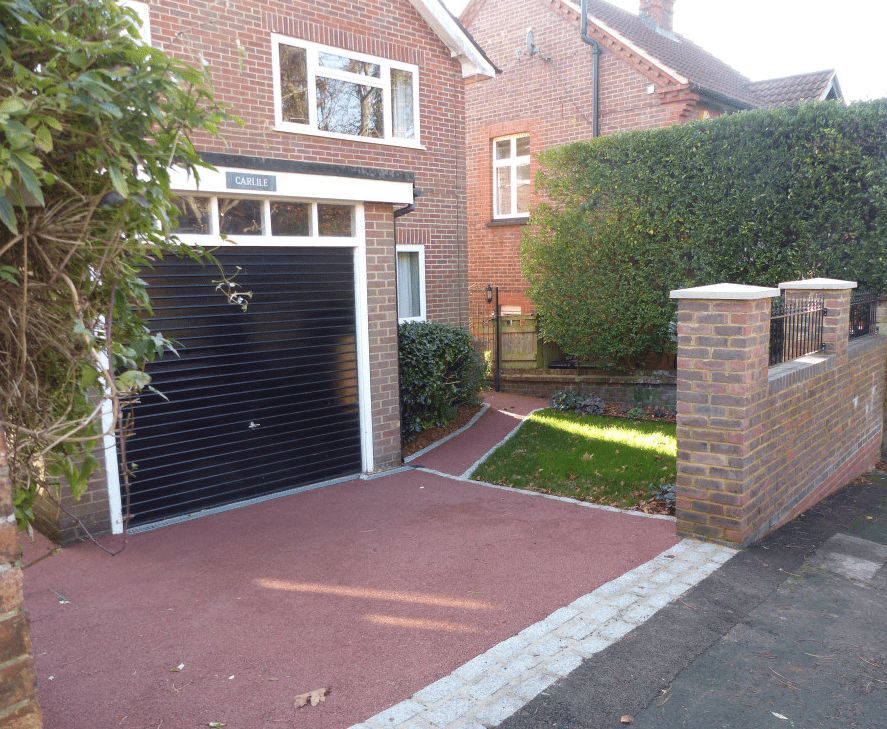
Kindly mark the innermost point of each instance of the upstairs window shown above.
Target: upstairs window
(336, 93)
(511, 177)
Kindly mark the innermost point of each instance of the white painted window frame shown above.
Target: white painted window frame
(511, 163)
(314, 239)
(383, 83)
(143, 10)
(420, 251)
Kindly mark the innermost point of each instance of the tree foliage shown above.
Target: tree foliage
(91, 122)
(754, 198)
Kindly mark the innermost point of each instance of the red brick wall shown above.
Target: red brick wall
(18, 682)
(234, 39)
(382, 314)
(759, 445)
(552, 101)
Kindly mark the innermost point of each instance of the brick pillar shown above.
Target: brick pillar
(18, 682)
(723, 338)
(836, 297)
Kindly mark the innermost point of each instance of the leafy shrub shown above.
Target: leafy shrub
(569, 401)
(664, 493)
(753, 198)
(439, 370)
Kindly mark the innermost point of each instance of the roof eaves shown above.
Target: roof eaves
(832, 84)
(454, 36)
(720, 98)
(680, 78)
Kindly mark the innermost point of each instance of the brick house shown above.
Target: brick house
(344, 191)
(630, 72)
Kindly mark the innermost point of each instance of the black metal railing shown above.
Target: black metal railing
(863, 313)
(795, 328)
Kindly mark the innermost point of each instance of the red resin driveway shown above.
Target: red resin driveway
(373, 588)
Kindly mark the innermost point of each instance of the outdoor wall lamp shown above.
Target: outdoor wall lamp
(488, 294)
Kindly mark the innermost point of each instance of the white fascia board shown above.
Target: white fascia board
(832, 84)
(680, 78)
(453, 37)
(298, 185)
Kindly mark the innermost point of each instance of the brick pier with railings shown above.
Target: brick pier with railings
(757, 445)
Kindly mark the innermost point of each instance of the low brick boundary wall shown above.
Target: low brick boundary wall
(759, 445)
(18, 682)
(654, 390)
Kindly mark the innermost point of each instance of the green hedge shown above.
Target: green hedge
(439, 370)
(756, 198)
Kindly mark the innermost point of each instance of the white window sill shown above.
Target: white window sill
(290, 128)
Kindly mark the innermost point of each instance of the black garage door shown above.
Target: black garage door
(260, 400)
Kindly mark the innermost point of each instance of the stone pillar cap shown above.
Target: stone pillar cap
(726, 291)
(818, 284)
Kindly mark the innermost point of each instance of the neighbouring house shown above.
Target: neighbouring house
(628, 72)
(344, 190)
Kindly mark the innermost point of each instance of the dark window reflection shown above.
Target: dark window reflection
(240, 217)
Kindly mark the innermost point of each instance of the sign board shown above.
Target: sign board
(250, 181)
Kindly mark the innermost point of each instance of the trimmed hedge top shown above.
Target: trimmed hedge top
(756, 198)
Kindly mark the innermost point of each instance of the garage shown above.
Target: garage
(263, 395)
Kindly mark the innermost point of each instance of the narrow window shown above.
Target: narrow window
(511, 177)
(410, 283)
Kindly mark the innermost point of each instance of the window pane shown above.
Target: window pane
(290, 218)
(349, 108)
(503, 149)
(523, 188)
(503, 190)
(193, 215)
(408, 302)
(293, 84)
(240, 217)
(342, 63)
(523, 146)
(335, 220)
(402, 104)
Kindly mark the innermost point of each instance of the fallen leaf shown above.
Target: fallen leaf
(216, 723)
(779, 716)
(312, 697)
(587, 457)
(180, 667)
(627, 719)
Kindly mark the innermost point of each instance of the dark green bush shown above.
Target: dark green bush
(439, 371)
(753, 198)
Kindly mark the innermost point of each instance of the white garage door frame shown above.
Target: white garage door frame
(252, 183)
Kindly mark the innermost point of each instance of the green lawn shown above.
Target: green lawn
(611, 461)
